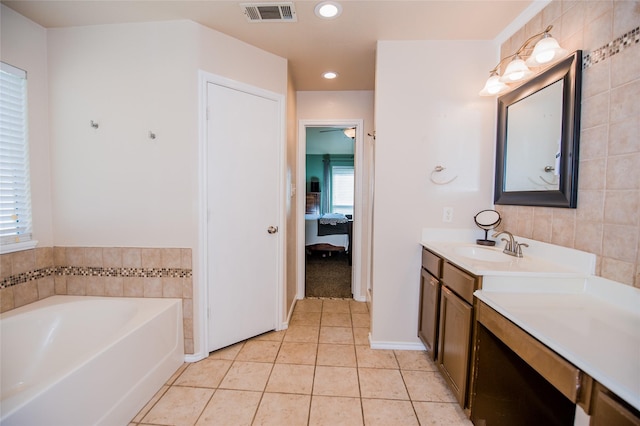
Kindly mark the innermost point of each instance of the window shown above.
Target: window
(15, 193)
(342, 189)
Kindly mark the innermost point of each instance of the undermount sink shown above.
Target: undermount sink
(482, 254)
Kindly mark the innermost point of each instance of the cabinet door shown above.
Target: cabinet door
(429, 301)
(608, 411)
(454, 342)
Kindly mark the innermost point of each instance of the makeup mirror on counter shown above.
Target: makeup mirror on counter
(538, 138)
(487, 220)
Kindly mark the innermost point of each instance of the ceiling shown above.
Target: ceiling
(312, 45)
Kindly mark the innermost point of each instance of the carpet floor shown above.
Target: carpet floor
(328, 276)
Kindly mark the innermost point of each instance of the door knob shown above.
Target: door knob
(272, 229)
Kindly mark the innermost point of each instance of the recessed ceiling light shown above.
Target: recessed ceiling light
(328, 10)
(330, 75)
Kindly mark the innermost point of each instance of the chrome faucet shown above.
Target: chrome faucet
(512, 247)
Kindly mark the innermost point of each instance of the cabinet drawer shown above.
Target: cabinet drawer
(432, 263)
(459, 281)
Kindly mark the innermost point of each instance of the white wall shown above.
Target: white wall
(428, 113)
(24, 45)
(347, 105)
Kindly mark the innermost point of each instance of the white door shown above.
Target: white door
(243, 201)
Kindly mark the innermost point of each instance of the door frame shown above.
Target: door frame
(201, 296)
(357, 286)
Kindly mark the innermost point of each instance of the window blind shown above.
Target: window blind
(15, 194)
(342, 189)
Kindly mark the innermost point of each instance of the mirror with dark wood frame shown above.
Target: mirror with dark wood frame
(538, 138)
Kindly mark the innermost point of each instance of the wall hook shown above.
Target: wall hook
(94, 124)
(438, 169)
(152, 135)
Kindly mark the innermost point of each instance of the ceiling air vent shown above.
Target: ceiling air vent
(269, 12)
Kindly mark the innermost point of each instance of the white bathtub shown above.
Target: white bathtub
(79, 360)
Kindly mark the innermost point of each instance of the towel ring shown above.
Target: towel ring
(438, 169)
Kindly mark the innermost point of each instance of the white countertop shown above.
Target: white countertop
(596, 328)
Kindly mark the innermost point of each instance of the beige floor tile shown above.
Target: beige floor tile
(339, 335)
(280, 409)
(361, 320)
(441, 414)
(334, 319)
(297, 353)
(150, 404)
(382, 383)
(358, 307)
(291, 378)
(336, 381)
(308, 305)
(427, 386)
(259, 351)
(336, 306)
(375, 358)
(230, 407)
(415, 360)
(335, 411)
(206, 373)
(336, 355)
(361, 336)
(305, 318)
(272, 336)
(229, 352)
(177, 373)
(244, 375)
(384, 412)
(302, 333)
(179, 406)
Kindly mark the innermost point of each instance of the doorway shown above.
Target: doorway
(334, 256)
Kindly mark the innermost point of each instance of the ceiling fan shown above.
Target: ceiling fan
(349, 132)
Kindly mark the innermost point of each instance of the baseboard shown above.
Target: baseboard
(404, 346)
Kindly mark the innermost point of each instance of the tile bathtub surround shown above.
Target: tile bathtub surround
(320, 371)
(31, 275)
(606, 221)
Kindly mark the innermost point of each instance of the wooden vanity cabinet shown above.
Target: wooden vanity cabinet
(455, 331)
(429, 301)
(607, 409)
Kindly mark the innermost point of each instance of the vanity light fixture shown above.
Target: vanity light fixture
(328, 10)
(546, 51)
(330, 75)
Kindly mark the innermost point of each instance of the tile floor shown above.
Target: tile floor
(320, 371)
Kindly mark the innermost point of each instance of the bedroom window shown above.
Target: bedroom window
(15, 193)
(342, 189)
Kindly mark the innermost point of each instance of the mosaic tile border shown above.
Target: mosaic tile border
(616, 46)
(88, 271)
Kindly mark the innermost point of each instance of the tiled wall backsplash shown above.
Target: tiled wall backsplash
(607, 219)
(31, 275)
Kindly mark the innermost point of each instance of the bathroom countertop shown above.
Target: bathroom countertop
(595, 326)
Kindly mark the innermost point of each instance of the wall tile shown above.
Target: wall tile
(74, 256)
(595, 9)
(25, 293)
(595, 110)
(186, 258)
(187, 308)
(60, 285)
(622, 207)
(592, 174)
(623, 172)
(617, 270)
(542, 224)
(596, 80)
(93, 257)
(112, 257)
(44, 257)
(626, 15)
(598, 32)
(171, 257)
(591, 145)
(113, 286)
(131, 258)
(5, 266)
(620, 242)
(171, 287)
(152, 287)
(624, 136)
(625, 66)
(572, 20)
(589, 237)
(6, 299)
(563, 227)
(60, 256)
(524, 226)
(133, 286)
(187, 287)
(76, 285)
(151, 257)
(624, 101)
(46, 287)
(590, 206)
(94, 286)
(23, 261)
(552, 12)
